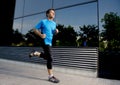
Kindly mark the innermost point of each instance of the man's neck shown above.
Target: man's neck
(50, 18)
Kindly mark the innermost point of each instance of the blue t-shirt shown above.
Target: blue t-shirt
(47, 27)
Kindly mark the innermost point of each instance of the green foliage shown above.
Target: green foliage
(101, 46)
(92, 34)
(33, 39)
(17, 37)
(111, 31)
(66, 36)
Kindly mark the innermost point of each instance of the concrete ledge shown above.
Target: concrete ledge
(58, 69)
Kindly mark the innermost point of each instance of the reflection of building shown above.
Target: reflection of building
(7, 14)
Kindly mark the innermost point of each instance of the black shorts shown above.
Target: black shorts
(47, 55)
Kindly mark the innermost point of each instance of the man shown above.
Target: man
(46, 28)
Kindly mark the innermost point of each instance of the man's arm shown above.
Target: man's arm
(56, 31)
(37, 32)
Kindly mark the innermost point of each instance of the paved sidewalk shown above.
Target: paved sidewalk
(20, 73)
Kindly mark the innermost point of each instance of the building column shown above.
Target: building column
(7, 16)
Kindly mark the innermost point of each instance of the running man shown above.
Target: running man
(46, 28)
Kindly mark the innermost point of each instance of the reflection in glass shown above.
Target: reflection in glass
(30, 22)
(63, 3)
(36, 6)
(19, 8)
(78, 16)
(17, 24)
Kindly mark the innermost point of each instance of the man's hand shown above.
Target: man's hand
(39, 33)
(43, 36)
(56, 31)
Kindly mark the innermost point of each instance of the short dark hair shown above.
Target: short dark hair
(48, 11)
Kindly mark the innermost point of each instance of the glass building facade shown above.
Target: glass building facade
(74, 13)
(68, 12)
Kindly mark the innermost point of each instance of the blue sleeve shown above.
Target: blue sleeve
(53, 31)
(39, 25)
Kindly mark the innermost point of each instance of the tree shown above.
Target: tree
(91, 33)
(34, 39)
(66, 36)
(17, 37)
(111, 31)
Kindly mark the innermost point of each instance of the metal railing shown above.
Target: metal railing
(85, 58)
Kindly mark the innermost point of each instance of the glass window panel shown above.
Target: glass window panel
(78, 16)
(17, 24)
(36, 6)
(19, 8)
(62, 3)
(30, 22)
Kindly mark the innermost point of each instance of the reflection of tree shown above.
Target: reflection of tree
(111, 31)
(89, 33)
(66, 36)
(33, 38)
(17, 37)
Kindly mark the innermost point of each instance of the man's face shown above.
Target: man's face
(51, 14)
